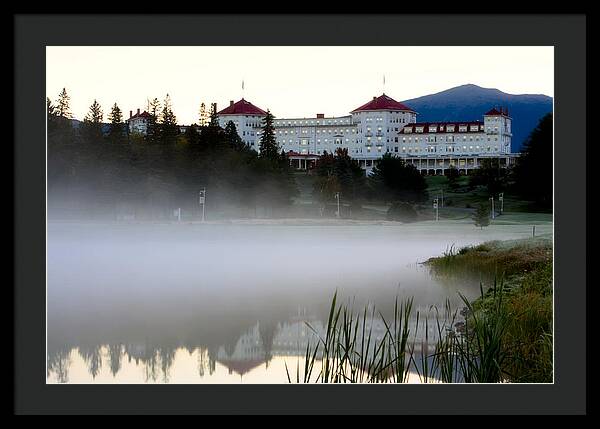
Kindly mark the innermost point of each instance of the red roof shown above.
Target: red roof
(144, 114)
(442, 127)
(242, 107)
(383, 102)
(496, 112)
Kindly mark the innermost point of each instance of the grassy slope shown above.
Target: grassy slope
(524, 268)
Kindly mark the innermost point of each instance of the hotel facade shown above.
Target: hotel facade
(382, 126)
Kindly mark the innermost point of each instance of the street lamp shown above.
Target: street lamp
(337, 197)
(501, 198)
(492, 200)
(201, 200)
(437, 210)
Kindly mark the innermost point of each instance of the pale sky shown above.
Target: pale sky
(294, 81)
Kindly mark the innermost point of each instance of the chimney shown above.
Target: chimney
(231, 102)
(130, 113)
(320, 115)
(138, 112)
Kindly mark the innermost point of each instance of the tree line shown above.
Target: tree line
(100, 169)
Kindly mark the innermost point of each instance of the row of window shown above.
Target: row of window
(332, 131)
(449, 139)
(448, 149)
(313, 122)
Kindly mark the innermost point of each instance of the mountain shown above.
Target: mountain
(469, 103)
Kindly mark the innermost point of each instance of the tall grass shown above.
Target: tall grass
(479, 349)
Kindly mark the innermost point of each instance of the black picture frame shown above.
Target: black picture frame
(568, 35)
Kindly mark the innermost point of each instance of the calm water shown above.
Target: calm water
(185, 303)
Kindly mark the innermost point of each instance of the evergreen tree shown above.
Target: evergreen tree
(93, 122)
(231, 135)
(51, 115)
(116, 124)
(213, 136)
(268, 144)
(153, 132)
(63, 105)
(214, 118)
(204, 116)
(533, 173)
(481, 216)
(168, 122)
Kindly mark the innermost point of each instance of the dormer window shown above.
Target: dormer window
(432, 129)
(450, 128)
(419, 129)
(462, 128)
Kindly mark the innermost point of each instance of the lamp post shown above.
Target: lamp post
(337, 197)
(501, 198)
(201, 200)
(492, 200)
(437, 211)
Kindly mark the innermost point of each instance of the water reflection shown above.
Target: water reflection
(187, 304)
(152, 361)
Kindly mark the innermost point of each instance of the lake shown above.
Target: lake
(229, 302)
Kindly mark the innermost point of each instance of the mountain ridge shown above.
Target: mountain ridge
(470, 102)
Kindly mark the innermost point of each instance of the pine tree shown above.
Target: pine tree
(50, 115)
(153, 132)
(116, 124)
(231, 135)
(93, 122)
(214, 118)
(168, 122)
(204, 116)
(63, 108)
(50, 107)
(268, 145)
(533, 172)
(481, 216)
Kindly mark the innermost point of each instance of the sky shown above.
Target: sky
(293, 81)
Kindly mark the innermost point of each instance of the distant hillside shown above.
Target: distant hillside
(470, 102)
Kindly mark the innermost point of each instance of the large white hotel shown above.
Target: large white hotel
(381, 126)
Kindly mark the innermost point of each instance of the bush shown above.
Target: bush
(402, 212)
